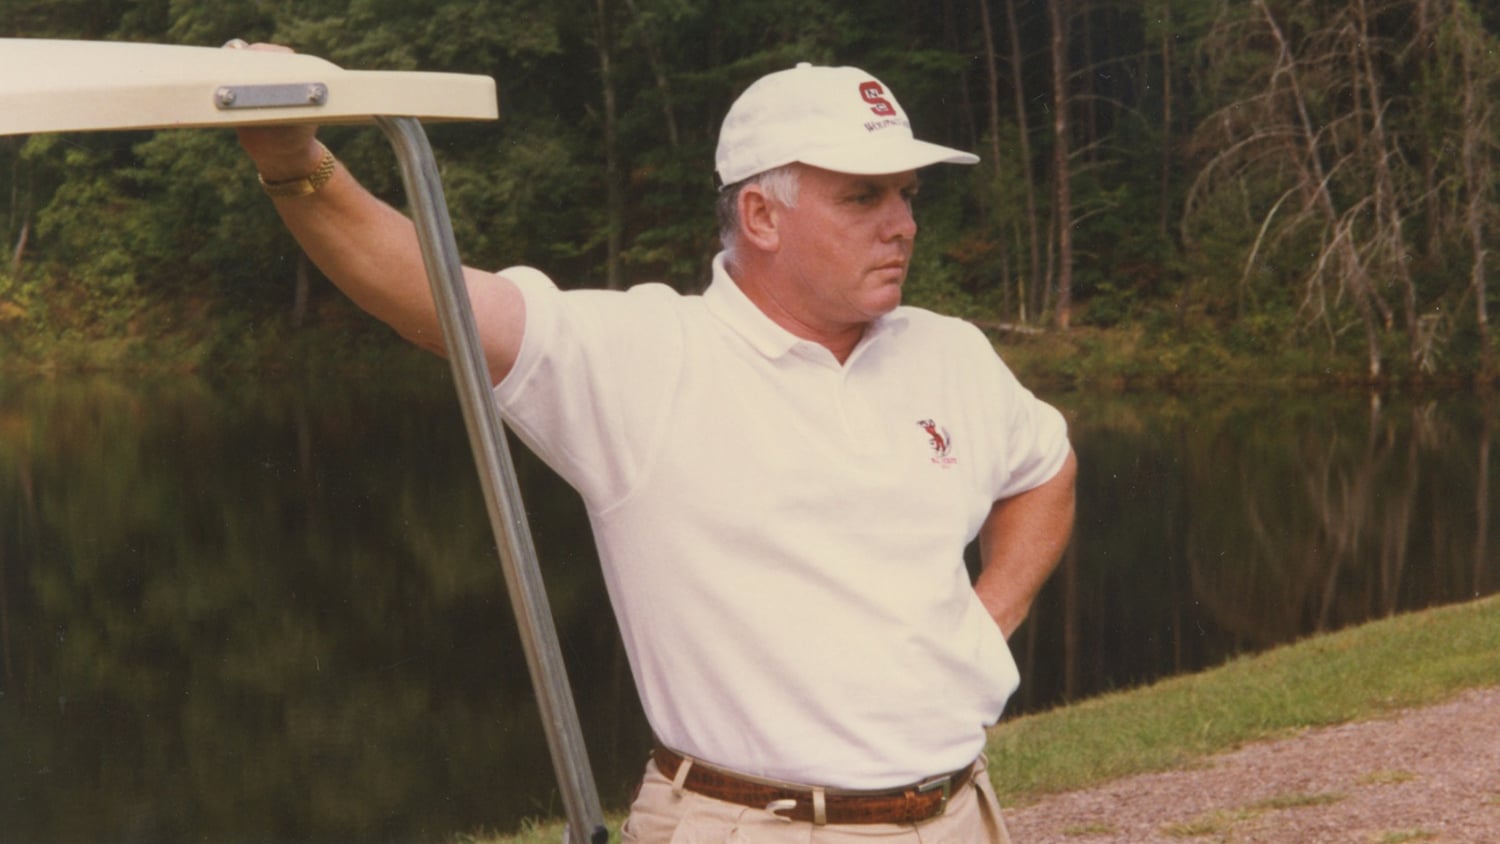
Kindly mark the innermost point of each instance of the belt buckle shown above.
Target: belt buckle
(776, 807)
(945, 783)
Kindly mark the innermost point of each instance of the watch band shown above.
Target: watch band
(303, 185)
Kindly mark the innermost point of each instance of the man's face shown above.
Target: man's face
(846, 246)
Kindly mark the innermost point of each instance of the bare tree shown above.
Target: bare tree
(1389, 237)
(1315, 144)
(1478, 169)
(1328, 155)
(1339, 249)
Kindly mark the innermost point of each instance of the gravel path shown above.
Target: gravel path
(1429, 775)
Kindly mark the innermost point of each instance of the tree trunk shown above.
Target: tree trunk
(1091, 99)
(1477, 178)
(16, 213)
(1032, 278)
(1166, 117)
(658, 71)
(992, 76)
(20, 251)
(1391, 238)
(614, 207)
(1063, 314)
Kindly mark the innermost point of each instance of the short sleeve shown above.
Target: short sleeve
(593, 381)
(1030, 435)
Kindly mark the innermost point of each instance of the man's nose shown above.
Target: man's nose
(900, 222)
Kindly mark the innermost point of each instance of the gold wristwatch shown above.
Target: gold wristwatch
(303, 185)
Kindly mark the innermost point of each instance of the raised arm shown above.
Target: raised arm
(1021, 542)
(370, 250)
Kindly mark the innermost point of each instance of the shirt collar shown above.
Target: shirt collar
(728, 302)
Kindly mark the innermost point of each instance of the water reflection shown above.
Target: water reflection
(1215, 525)
(265, 612)
(256, 611)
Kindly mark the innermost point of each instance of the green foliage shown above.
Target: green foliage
(1164, 224)
(196, 22)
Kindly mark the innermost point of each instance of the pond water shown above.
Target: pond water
(249, 610)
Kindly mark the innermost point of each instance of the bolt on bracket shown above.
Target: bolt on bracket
(292, 95)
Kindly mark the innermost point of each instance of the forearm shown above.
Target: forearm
(370, 251)
(1020, 544)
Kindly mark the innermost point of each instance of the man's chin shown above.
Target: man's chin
(889, 299)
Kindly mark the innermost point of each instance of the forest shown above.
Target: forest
(1296, 184)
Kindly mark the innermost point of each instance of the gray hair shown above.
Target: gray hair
(781, 184)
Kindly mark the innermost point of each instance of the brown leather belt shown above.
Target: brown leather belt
(908, 804)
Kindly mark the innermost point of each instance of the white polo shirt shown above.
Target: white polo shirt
(782, 536)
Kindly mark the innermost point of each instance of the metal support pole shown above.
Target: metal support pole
(497, 475)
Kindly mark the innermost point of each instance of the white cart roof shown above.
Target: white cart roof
(61, 86)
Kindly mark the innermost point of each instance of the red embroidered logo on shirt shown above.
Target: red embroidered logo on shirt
(940, 441)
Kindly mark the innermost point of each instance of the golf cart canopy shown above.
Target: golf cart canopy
(65, 86)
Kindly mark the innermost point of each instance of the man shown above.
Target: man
(781, 474)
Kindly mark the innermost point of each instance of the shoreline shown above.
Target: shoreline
(1419, 774)
(1352, 683)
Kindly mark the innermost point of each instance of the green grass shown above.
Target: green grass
(1091, 828)
(1295, 801)
(1401, 836)
(1356, 674)
(1389, 777)
(1221, 822)
(1217, 823)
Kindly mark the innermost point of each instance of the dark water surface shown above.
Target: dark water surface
(263, 611)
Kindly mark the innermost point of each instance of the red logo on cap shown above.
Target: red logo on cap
(872, 91)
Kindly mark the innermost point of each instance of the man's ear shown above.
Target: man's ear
(760, 219)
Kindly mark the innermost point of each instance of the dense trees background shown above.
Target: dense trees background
(1272, 175)
(1260, 180)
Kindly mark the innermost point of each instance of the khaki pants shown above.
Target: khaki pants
(660, 816)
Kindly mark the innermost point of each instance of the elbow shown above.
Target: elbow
(1065, 482)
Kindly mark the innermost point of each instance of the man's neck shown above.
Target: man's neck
(840, 341)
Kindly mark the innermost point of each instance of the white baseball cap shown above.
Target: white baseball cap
(837, 118)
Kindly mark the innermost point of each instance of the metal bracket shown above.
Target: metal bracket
(292, 95)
